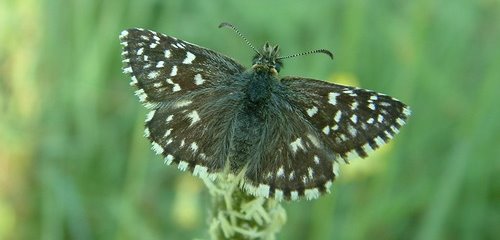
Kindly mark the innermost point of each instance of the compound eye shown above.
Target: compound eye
(277, 66)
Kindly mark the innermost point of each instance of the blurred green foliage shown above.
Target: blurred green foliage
(74, 163)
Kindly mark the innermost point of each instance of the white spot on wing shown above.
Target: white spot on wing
(371, 106)
(311, 193)
(140, 51)
(400, 121)
(406, 111)
(332, 98)
(354, 118)
(183, 103)
(379, 141)
(354, 105)
(263, 190)
(174, 71)
(380, 118)
(200, 171)
(176, 88)
(134, 81)
(326, 130)
(157, 148)
(294, 195)
(384, 104)
(169, 118)
(295, 145)
(160, 64)
(167, 53)
(388, 134)
(194, 117)
(198, 80)
(278, 194)
(280, 172)
(314, 140)
(183, 165)
(337, 116)
(328, 185)
(141, 94)
(149, 116)
(367, 148)
(336, 169)
(194, 146)
(123, 34)
(394, 129)
(127, 70)
(316, 159)
(352, 155)
(250, 189)
(168, 159)
(153, 74)
(310, 173)
(312, 111)
(180, 45)
(189, 58)
(343, 137)
(168, 132)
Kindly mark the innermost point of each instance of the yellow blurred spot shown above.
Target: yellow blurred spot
(186, 207)
(375, 163)
(345, 78)
(7, 220)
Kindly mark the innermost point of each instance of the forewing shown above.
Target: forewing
(164, 68)
(190, 91)
(352, 121)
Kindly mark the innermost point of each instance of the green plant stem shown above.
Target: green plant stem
(236, 215)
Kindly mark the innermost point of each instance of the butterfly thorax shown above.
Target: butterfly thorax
(259, 85)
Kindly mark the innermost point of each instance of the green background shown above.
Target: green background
(74, 163)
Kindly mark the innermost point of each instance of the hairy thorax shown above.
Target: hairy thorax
(260, 83)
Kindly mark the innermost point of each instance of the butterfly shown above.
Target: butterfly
(286, 135)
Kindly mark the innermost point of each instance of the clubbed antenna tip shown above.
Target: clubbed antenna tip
(324, 51)
(229, 25)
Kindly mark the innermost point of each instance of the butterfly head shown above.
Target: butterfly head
(268, 59)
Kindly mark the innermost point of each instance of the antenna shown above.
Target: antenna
(330, 54)
(229, 25)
